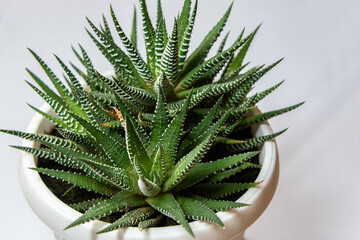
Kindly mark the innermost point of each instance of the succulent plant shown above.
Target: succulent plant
(140, 137)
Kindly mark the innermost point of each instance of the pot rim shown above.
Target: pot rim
(42, 200)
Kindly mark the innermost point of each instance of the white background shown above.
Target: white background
(318, 195)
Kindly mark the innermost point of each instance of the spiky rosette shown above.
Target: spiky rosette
(139, 138)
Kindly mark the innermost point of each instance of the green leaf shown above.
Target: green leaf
(152, 222)
(214, 129)
(115, 175)
(208, 77)
(238, 113)
(171, 136)
(158, 173)
(220, 205)
(167, 86)
(56, 121)
(121, 62)
(202, 171)
(61, 110)
(45, 88)
(159, 122)
(106, 29)
(204, 125)
(195, 99)
(79, 180)
(260, 118)
(160, 15)
(133, 36)
(131, 218)
(251, 101)
(159, 46)
(60, 87)
(114, 149)
(195, 210)
(64, 160)
(223, 42)
(221, 176)
(160, 21)
(198, 72)
(238, 60)
(185, 164)
(108, 99)
(80, 96)
(90, 78)
(83, 206)
(55, 156)
(122, 200)
(238, 94)
(167, 205)
(99, 112)
(80, 58)
(123, 110)
(135, 148)
(165, 33)
(231, 76)
(135, 57)
(75, 153)
(74, 82)
(141, 95)
(135, 95)
(145, 117)
(114, 125)
(184, 18)
(149, 35)
(123, 92)
(42, 138)
(185, 31)
(170, 59)
(198, 56)
(225, 69)
(251, 142)
(219, 190)
(225, 140)
(216, 89)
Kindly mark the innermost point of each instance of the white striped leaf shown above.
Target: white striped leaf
(121, 200)
(135, 57)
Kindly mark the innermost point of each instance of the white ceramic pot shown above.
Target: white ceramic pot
(57, 215)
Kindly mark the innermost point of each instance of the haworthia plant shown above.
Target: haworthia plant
(140, 137)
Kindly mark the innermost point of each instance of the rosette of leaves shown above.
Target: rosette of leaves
(140, 137)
